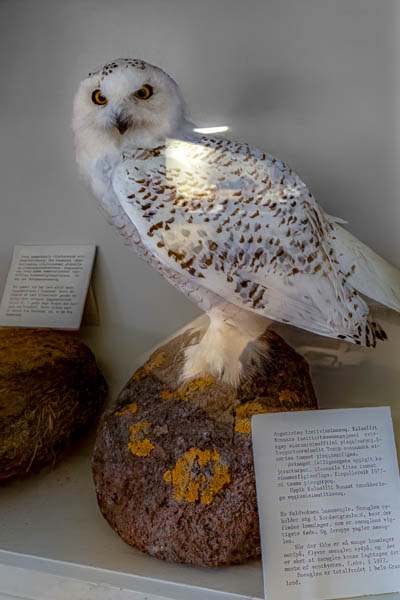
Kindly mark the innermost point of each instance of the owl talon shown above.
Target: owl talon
(228, 349)
(201, 359)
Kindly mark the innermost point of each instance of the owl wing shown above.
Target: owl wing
(242, 224)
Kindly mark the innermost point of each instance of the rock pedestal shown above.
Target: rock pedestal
(50, 390)
(173, 464)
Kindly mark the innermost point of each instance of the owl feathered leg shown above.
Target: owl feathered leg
(230, 348)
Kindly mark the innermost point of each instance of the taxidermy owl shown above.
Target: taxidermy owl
(232, 227)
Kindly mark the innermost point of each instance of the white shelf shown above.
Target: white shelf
(53, 537)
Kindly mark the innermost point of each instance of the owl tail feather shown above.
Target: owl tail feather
(373, 276)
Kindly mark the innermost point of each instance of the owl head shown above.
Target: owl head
(127, 102)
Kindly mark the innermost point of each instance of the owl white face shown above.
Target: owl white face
(126, 102)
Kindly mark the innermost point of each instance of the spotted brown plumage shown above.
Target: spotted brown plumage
(245, 227)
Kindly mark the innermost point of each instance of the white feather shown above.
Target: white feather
(374, 276)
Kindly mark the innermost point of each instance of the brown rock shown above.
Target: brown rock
(50, 389)
(173, 464)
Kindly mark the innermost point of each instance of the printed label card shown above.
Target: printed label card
(328, 492)
(47, 286)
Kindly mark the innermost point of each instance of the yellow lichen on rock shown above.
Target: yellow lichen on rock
(139, 445)
(220, 478)
(154, 362)
(244, 413)
(183, 392)
(186, 487)
(131, 408)
(288, 397)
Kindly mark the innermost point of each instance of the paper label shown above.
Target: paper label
(47, 286)
(329, 501)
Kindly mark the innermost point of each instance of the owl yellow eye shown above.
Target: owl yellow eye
(98, 97)
(145, 92)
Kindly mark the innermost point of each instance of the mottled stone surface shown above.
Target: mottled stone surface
(173, 464)
(50, 390)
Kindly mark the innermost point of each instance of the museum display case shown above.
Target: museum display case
(312, 84)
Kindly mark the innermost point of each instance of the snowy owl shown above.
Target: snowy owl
(232, 227)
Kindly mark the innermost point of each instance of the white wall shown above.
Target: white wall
(311, 81)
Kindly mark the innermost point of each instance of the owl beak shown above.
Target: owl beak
(122, 123)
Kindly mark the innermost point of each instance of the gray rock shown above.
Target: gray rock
(173, 465)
